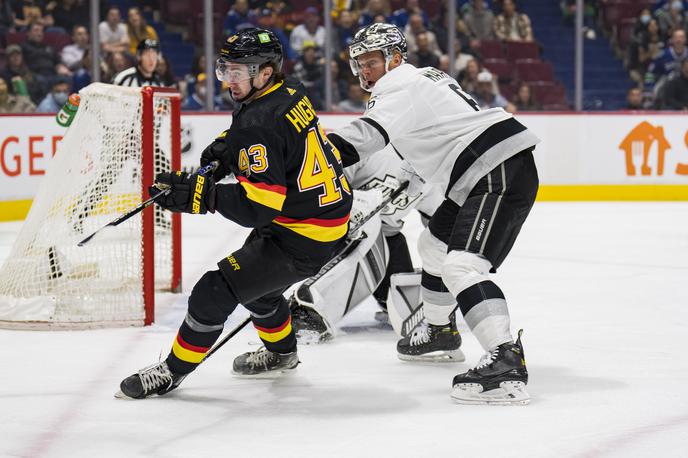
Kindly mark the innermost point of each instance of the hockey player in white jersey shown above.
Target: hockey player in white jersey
(483, 161)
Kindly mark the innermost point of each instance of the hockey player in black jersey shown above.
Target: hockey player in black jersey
(291, 190)
(483, 161)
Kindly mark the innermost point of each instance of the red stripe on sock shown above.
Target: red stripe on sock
(188, 346)
(273, 330)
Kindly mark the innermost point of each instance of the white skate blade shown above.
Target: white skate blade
(305, 337)
(120, 395)
(453, 356)
(508, 394)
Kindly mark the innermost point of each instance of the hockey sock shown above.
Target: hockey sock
(438, 302)
(484, 308)
(193, 341)
(275, 330)
(399, 261)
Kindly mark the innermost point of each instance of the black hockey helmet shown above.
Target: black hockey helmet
(253, 47)
(148, 43)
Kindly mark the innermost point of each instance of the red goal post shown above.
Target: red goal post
(119, 140)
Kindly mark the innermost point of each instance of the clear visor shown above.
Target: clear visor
(228, 72)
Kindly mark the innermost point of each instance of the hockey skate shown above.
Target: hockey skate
(154, 379)
(309, 326)
(500, 378)
(264, 363)
(428, 342)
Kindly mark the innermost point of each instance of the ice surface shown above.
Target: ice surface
(601, 290)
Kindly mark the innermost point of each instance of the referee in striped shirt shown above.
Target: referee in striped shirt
(143, 74)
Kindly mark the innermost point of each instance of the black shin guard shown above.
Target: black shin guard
(399, 261)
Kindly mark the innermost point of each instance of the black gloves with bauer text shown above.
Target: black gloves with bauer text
(186, 193)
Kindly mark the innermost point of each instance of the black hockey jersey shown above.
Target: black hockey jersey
(289, 176)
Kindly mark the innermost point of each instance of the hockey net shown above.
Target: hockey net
(119, 139)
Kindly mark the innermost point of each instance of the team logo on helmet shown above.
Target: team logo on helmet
(378, 37)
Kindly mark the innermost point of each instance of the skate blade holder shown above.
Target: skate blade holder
(509, 393)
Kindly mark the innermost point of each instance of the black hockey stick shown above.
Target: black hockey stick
(343, 253)
(140, 207)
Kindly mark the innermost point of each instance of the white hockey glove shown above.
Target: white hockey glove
(408, 173)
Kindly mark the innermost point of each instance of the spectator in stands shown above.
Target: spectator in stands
(674, 94)
(480, 21)
(668, 62)
(116, 62)
(196, 101)
(113, 33)
(17, 72)
(6, 17)
(309, 69)
(13, 103)
(649, 48)
(373, 8)
(66, 14)
(165, 73)
(401, 16)
(266, 20)
(634, 99)
(462, 58)
(469, 78)
(345, 30)
(138, 30)
(568, 9)
(27, 11)
(82, 76)
(310, 30)
(56, 98)
(670, 17)
(485, 95)
(523, 99)
(641, 23)
(238, 17)
(413, 28)
(41, 58)
(339, 85)
(512, 25)
(423, 56)
(356, 102)
(73, 54)
(440, 29)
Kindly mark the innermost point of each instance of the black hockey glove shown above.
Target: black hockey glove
(189, 194)
(216, 151)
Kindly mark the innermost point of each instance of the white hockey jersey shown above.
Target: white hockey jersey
(437, 128)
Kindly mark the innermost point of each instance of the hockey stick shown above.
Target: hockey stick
(343, 253)
(140, 207)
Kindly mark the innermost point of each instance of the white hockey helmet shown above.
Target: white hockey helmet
(377, 37)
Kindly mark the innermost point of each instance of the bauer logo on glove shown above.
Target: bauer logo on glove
(188, 193)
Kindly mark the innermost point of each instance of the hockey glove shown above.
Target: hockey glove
(189, 193)
(217, 151)
(408, 173)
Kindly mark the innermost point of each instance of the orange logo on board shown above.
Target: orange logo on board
(639, 143)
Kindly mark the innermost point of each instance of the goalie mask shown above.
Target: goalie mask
(253, 48)
(376, 37)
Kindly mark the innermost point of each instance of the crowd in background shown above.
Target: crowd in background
(54, 58)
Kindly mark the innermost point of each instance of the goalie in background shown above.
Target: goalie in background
(380, 253)
(291, 190)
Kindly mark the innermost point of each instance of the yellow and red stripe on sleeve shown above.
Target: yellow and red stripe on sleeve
(269, 195)
(187, 352)
(274, 334)
(322, 230)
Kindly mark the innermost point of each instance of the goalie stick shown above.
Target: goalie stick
(140, 207)
(348, 247)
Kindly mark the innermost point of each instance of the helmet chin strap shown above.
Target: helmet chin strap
(253, 89)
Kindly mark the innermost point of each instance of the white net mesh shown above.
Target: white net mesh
(94, 177)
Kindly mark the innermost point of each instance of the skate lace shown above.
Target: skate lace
(259, 357)
(155, 376)
(420, 334)
(487, 359)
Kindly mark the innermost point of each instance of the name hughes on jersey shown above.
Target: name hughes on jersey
(301, 115)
